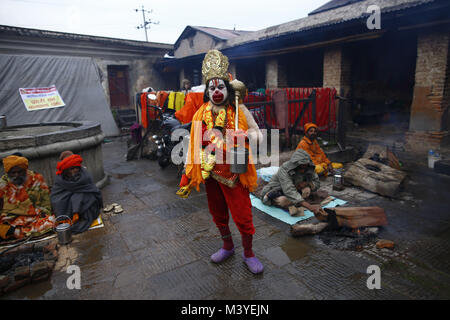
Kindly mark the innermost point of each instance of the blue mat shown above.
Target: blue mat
(281, 214)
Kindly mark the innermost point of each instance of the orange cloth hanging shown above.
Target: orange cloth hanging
(194, 101)
(161, 98)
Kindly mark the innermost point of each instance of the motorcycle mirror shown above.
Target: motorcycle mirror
(152, 96)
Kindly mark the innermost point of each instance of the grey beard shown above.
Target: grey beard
(18, 181)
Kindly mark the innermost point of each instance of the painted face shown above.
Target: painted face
(217, 91)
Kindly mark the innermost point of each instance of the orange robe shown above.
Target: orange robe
(193, 165)
(314, 150)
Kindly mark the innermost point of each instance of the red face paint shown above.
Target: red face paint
(217, 96)
(217, 91)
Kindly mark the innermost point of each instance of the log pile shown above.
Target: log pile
(375, 177)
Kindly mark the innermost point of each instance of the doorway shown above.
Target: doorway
(118, 86)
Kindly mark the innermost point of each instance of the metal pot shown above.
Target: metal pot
(2, 122)
(63, 230)
(338, 183)
(240, 160)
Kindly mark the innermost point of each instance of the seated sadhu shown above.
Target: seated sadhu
(292, 184)
(309, 144)
(74, 193)
(25, 208)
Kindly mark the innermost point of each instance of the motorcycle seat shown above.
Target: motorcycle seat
(186, 126)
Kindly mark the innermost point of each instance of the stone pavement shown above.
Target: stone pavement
(159, 247)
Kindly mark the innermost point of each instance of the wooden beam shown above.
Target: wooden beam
(365, 36)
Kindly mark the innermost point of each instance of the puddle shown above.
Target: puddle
(33, 291)
(291, 250)
(94, 254)
(295, 249)
(277, 256)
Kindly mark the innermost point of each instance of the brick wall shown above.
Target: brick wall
(336, 69)
(271, 73)
(431, 91)
(429, 101)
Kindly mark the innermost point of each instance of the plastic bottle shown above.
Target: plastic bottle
(431, 159)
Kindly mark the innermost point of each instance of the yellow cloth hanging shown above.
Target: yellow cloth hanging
(171, 103)
(179, 101)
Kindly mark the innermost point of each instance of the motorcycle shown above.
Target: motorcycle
(172, 142)
(157, 143)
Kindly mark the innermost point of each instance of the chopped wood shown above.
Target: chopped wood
(385, 180)
(307, 229)
(356, 217)
(385, 244)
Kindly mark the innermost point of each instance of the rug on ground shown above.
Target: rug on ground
(265, 174)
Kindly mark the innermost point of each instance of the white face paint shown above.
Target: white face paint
(217, 91)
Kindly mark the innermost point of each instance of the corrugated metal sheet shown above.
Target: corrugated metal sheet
(339, 15)
(222, 34)
(25, 32)
(333, 5)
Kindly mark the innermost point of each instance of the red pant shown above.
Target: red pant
(237, 199)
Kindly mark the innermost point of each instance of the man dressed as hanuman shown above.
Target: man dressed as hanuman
(213, 127)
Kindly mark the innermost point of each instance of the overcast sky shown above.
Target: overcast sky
(118, 18)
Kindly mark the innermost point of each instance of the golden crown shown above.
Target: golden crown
(215, 65)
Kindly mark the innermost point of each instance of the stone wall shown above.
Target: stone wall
(195, 44)
(141, 74)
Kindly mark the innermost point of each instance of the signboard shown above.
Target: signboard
(41, 98)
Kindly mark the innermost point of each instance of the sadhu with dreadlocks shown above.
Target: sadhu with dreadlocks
(206, 163)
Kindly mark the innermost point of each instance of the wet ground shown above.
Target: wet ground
(159, 247)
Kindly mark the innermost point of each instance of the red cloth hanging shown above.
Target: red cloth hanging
(144, 119)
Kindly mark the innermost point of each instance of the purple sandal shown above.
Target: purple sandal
(253, 264)
(222, 255)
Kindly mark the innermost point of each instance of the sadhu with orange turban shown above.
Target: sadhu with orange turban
(309, 144)
(70, 161)
(24, 201)
(15, 161)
